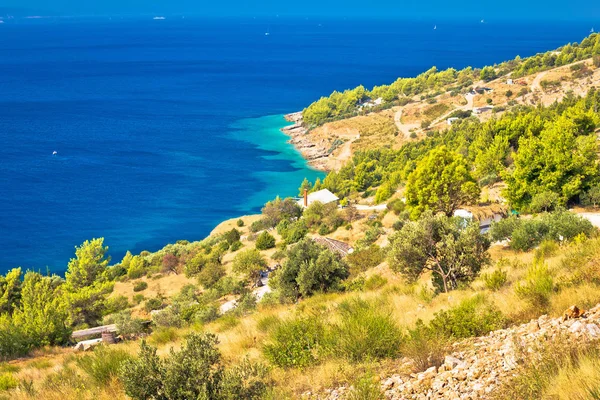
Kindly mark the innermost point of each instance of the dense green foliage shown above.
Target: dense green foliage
(265, 241)
(549, 151)
(297, 343)
(367, 331)
(472, 317)
(525, 234)
(441, 182)
(249, 262)
(194, 372)
(309, 268)
(442, 245)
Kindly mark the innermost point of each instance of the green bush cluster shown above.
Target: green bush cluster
(473, 317)
(265, 241)
(194, 372)
(140, 286)
(103, 364)
(309, 268)
(525, 234)
(365, 331)
(495, 280)
(538, 285)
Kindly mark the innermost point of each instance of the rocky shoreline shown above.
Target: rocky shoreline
(316, 153)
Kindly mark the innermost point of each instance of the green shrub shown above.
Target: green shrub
(268, 323)
(245, 304)
(365, 259)
(323, 230)
(265, 241)
(375, 282)
(296, 343)
(140, 286)
(194, 372)
(295, 232)
(7, 382)
(155, 303)
(247, 380)
(310, 268)
(257, 226)
(503, 229)
(235, 246)
(206, 314)
(537, 287)
(163, 336)
(371, 236)
(546, 249)
(398, 225)
(168, 317)
(544, 202)
(473, 317)
(210, 275)
(138, 298)
(355, 285)
(240, 223)
(367, 331)
(528, 234)
(279, 255)
(232, 236)
(567, 225)
(366, 388)
(127, 326)
(426, 347)
(495, 280)
(13, 341)
(103, 364)
(397, 206)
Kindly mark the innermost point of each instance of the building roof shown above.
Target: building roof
(343, 249)
(323, 196)
(482, 212)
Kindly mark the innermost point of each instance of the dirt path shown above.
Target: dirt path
(404, 128)
(338, 161)
(536, 84)
(466, 107)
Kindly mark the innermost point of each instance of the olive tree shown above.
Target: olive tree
(453, 252)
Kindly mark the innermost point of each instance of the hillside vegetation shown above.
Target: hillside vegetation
(196, 320)
(343, 104)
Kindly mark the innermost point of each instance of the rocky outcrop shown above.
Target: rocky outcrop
(315, 152)
(478, 366)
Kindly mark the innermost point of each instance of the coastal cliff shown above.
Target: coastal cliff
(316, 152)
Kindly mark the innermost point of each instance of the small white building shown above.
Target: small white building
(322, 196)
(485, 215)
(509, 82)
(450, 121)
(372, 103)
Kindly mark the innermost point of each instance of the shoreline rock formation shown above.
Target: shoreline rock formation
(315, 153)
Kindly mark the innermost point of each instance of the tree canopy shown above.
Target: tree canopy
(452, 252)
(441, 182)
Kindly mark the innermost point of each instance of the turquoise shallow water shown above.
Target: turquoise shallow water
(160, 126)
(265, 133)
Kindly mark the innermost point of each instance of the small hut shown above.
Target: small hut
(485, 215)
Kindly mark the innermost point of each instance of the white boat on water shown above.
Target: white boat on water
(158, 18)
(435, 28)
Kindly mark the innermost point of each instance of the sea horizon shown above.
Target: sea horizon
(163, 129)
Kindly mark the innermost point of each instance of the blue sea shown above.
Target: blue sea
(165, 128)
